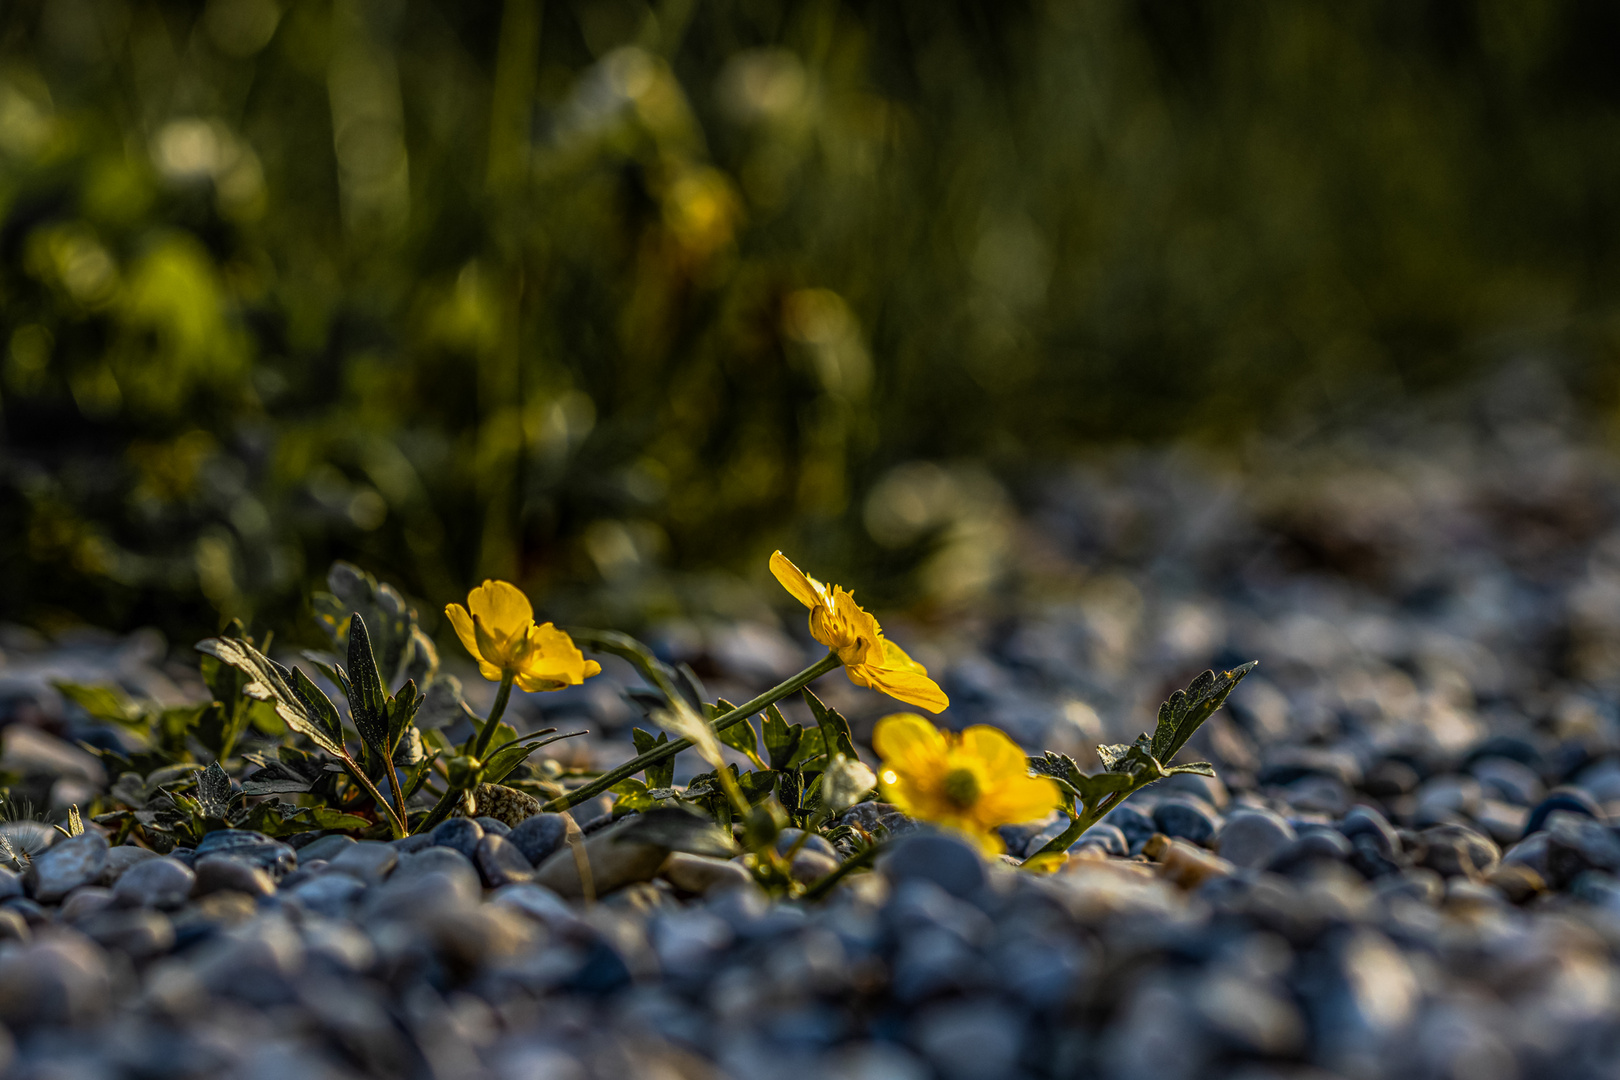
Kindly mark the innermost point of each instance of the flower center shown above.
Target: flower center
(961, 788)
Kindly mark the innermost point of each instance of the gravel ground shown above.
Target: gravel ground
(1407, 869)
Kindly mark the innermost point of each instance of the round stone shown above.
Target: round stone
(67, 865)
(121, 858)
(1568, 800)
(459, 834)
(1365, 821)
(500, 863)
(155, 883)
(702, 873)
(537, 837)
(277, 859)
(1185, 818)
(226, 873)
(1458, 851)
(492, 826)
(369, 860)
(1252, 837)
(1105, 836)
(1134, 823)
(327, 847)
(952, 864)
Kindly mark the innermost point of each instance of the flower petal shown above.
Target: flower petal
(906, 686)
(462, 622)
(908, 744)
(506, 612)
(1020, 799)
(805, 589)
(1003, 759)
(490, 649)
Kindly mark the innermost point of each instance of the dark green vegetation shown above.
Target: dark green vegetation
(564, 291)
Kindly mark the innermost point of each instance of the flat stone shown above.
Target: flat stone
(1455, 850)
(436, 860)
(506, 805)
(500, 863)
(811, 866)
(459, 834)
(952, 864)
(227, 873)
(702, 873)
(614, 862)
(540, 904)
(493, 826)
(1253, 837)
(85, 900)
(155, 883)
(369, 860)
(1184, 817)
(332, 895)
(277, 858)
(121, 858)
(68, 865)
(327, 847)
(138, 934)
(539, 836)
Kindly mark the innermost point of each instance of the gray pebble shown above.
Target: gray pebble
(277, 858)
(11, 884)
(436, 860)
(369, 860)
(811, 866)
(947, 862)
(416, 842)
(459, 834)
(155, 883)
(13, 927)
(812, 842)
(501, 863)
(61, 978)
(1366, 821)
(1101, 835)
(539, 836)
(68, 865)
(138, 934)
(491, 825)
(326, 847)
(701, 873)
(226, 873)
(1455, 850)
(1253, 837)
(121, 858)
(331, 895)
(83, 901)
(1187, 818)
(1511, 781)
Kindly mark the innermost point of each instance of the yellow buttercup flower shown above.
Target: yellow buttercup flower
(842, 625)
(970, 782)
(500, 633)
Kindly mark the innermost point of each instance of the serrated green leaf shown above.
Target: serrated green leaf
(368, 701)
(739, 736)
(812, 745)
(661, 775)
(781, 738)
(835, 735)
(1197, 768)
(269, 681)
(631, 795)
(214, 792)
(1186, 710)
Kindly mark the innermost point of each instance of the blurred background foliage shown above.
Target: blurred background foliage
(583, 292)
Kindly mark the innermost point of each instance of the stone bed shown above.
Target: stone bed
(1407, 868)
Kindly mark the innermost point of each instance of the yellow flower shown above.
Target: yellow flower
(842, 625)
(501, 635)
(970, 782)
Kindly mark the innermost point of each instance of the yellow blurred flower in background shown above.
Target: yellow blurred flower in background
(499, 631)
(970, 782)
(842, 625)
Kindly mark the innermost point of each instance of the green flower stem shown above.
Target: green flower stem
(496, 711)
(396, 822)
(1083, 821)
(858, 861)
(668, 750)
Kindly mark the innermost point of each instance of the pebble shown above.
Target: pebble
(538, 836)
(155, 883)
(702, 873)
(1566, 800)
(1253, 837)
(459, 834)
(326, 847)
(277, 859)
(85, 900)
(1455, 850)
(121, 858)
(809, 867)
(501, 863)
(1186, 818)
(369, 860)
(67, 865)
(939, 859)
(226, 873)
(613, 862)
(1103, 836)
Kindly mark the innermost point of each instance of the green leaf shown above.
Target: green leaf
(781, 738)
(1197, 768)
(107, 703)
(269, 681)
(402, 710)
(631, 795)
(740, 736)
(214, 792)
(320, 706)
(1181, 716)
(757, 786)
(506, 759)
(368, 701)
(661, 775)
(1094, 789)
(835, 735)
(812, 745)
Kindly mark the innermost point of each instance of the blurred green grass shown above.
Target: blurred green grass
(572, 292)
